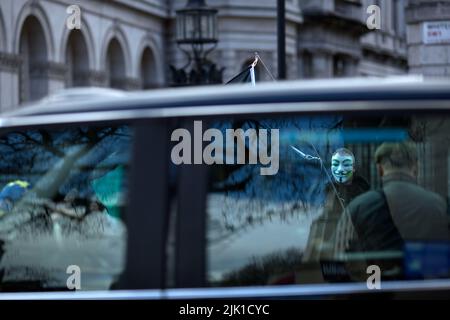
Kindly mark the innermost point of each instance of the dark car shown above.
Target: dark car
(221, 192)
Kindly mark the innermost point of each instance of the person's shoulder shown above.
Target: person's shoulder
(433, 197)
(361, 182)
(366, 199)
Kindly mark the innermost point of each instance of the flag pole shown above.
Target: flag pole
(281, 37)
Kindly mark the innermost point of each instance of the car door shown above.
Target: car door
(243, 233)
(83, 204)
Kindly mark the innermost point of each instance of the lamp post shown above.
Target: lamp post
(196, 36)
(281, 35)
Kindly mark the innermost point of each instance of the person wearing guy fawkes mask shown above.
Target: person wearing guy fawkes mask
(346, 185)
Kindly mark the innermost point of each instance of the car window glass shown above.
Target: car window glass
(346, 193)
(62, 199)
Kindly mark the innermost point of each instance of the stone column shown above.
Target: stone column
(9, 81)
(128, 84)
(96, 78)
(428, 43)
(57, 74)
(131, 84)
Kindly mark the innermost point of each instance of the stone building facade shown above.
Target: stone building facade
(384, 51)
(426, 55)
(129, 44)
(120, 44)
(428, 37)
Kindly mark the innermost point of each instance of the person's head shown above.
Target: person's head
(343, 165)
(11, 194)
(396, 157)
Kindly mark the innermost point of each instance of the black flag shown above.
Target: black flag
(243, 76)
(247, 75)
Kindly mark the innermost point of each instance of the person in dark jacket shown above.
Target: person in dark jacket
(382, 220)
(346, 185)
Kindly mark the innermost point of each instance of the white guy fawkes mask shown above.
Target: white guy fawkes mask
(342, 167)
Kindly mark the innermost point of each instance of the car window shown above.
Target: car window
(321, 198)
(62, 199)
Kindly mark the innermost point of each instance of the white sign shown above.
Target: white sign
(436, 32)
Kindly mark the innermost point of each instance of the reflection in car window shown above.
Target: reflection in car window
(61, 205)
(350, 192)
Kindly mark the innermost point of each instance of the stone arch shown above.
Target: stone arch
(32, 8)
(76, 60)
(88, 40)
(115, 65)
(33, 50)
(116, 33)
(149, 64)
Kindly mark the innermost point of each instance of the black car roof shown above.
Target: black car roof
(350, 89)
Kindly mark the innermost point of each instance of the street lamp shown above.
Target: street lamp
(196, 36)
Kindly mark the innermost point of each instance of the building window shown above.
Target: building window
(339, 66)
(148, 69)
(33, 77)
(77, 60)
(115, 64)
(307, 64)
